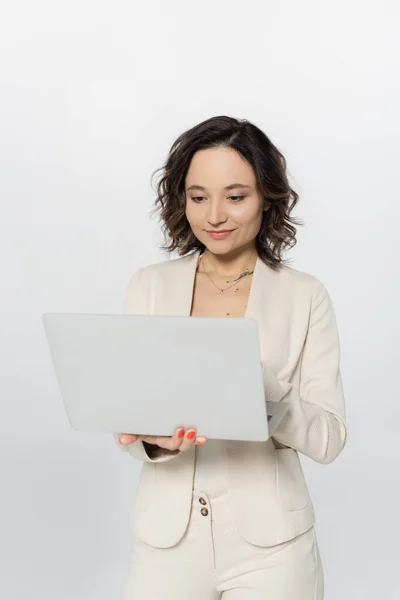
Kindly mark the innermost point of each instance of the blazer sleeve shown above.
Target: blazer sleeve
(135, 303)
(315, 421)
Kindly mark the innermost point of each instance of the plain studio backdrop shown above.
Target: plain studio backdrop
(93, 94)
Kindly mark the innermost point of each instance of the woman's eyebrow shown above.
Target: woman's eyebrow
(228, 187)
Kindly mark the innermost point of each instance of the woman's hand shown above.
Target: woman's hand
(180, 440)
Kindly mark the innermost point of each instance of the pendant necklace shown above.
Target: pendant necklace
(242, 275)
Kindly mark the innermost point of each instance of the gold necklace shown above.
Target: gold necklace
(237, 280)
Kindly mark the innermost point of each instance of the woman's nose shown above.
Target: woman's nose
(215, 214)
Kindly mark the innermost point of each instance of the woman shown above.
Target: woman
(225, 519)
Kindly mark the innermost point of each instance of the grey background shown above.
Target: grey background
(92, 95)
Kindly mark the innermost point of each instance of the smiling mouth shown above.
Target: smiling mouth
(220, 234)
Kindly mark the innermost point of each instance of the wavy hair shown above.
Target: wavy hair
(277, 231)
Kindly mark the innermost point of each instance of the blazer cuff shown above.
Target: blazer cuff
(154, 452)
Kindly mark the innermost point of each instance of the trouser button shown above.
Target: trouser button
(204, 512)
(202, 501)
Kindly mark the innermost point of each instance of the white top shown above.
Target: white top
(210, 473)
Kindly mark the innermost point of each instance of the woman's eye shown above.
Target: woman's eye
(234, 198)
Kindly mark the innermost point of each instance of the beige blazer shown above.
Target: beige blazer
(299, 349)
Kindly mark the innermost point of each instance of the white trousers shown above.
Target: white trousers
(212, 562)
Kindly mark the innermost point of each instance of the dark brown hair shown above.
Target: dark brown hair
(277, 231)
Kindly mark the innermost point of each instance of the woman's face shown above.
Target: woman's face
(222, 196)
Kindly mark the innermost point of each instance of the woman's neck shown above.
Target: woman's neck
(229, 265)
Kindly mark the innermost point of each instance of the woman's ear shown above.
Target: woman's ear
(266, 206)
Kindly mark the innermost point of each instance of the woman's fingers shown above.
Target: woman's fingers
(169, 443)
(188, 440)
(201, 440)
(127, 438)
(181, 440)
(175, 442)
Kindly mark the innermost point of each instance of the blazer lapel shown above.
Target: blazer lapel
(178, 286)
(269, 303)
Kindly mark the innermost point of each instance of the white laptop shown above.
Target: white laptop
(152, 374)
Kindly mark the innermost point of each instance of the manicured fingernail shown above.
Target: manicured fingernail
(181, 433)
(191, 435)
(201, 440)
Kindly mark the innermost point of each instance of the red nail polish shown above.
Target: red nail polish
(191, 435)
(181, 433)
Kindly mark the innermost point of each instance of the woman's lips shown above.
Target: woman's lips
(219, 235)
